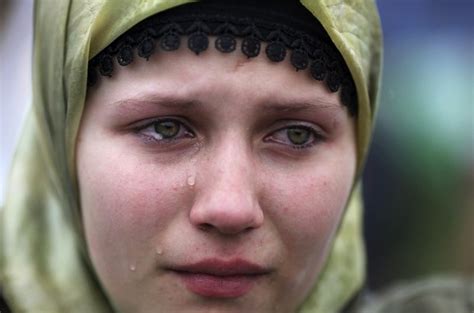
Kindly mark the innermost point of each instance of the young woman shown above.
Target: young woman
(193, 157)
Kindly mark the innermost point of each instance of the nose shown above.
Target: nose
(226, 199)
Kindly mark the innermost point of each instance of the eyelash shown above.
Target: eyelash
(315, 135)
(151, 124)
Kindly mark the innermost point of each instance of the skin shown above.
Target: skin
(231, 185)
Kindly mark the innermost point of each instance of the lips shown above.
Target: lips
(217, 278)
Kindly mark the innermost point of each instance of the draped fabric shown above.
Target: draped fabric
(44, 266)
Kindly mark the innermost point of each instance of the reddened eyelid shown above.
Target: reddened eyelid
(142, 126)
(148, 122)
(316, 131)
(148, 130)
(285, 123)
(281, 136)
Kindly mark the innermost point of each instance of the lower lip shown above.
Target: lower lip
(206, 285)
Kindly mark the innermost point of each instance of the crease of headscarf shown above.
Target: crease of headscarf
(44, 266)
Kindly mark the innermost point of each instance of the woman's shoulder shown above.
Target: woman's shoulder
(451, 294)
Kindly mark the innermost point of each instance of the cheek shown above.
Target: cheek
(126, 202)
(308, 207)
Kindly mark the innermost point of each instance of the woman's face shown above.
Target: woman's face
(212, 183)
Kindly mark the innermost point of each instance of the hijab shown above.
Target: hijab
(44, 265)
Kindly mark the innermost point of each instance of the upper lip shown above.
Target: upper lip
(219, 267)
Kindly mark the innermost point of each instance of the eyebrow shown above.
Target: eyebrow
(171, 102)
(269, 106)
(299, 106)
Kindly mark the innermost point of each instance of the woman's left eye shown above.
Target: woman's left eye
(298, 136)
(166, 130)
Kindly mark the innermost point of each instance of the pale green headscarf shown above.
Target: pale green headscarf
(44, 265)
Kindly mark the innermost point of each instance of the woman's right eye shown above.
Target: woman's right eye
(166, 130)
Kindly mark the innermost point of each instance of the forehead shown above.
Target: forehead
(183, 73)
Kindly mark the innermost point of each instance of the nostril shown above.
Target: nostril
(248, 229)
(205, 226)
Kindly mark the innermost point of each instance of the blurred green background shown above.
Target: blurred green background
(419, 180)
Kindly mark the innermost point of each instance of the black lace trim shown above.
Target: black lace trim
(305, 52)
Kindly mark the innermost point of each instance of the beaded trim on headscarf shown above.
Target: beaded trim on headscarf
(323, 60)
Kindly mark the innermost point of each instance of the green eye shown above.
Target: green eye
(298, 135)
(167, 129)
